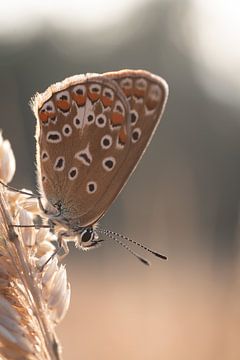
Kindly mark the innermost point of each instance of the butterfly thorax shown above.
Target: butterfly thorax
(85, 237)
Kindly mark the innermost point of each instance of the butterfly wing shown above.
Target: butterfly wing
(92, 131)
(146, 95)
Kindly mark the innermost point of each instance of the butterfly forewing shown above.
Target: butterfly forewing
(83, 140)
(92, 131)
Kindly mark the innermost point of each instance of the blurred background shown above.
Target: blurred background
(183, 199)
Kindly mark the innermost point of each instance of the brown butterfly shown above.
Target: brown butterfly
(91, 132)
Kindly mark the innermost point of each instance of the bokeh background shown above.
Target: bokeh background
(183, 199)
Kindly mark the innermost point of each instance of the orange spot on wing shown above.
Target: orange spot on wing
(79, 99)
(45, 115)
(117, 118)
(63, 105)
(139, 93)
(106, 101)
(93, 96)
(151, 104)
(122, 137)
(127, 91)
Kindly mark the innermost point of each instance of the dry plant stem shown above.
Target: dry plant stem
(15, 247)
(33, 298)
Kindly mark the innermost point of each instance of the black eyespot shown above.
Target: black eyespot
(44, 155)
(73, 173)
(119, 108)
(85, 157)
(133, 117)
(106, 142)
(86, 235)
(109, 164)
(67, 130)
(136, 135)
(53, 137)
(101, 120)
(59, 163)
(63, 97)
(79, 91)
(91, 187)
(48, 108)
(77, 121)
(108, 94)
(95, 89)
(90, 118)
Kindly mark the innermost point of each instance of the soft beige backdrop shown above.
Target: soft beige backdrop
(183, 199)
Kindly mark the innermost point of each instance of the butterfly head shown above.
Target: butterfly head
(88, 238)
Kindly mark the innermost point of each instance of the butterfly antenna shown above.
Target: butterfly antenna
(110, 236)
(109, 232)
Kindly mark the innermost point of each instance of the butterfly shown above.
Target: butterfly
(91, 132)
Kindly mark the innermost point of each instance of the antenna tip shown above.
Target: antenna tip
(163, 257)
(144, 261)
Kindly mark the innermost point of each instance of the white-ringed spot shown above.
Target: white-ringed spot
(91, 187)
(77, 122)
(44, 178)
(73, 173)
(67, 130)
(48, 111)
(79, 89)
(54, 137)
(91, 117)
(119, 107)
(79, 95)
(154, 93)
(106, 142)
(141, 84)
(109, 163)
(107, 97)
(101, 120)
(95, 88)
(59, 163)
(126, 83)
(44, 156)
(84, 156)
(78, 119)
(48, 107)
(63, 101)
(134, 116)
(136, 135)
(108, 93)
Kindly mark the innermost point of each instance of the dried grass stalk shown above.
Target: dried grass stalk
(32, 300)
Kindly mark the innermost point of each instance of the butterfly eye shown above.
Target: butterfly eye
(88, 235)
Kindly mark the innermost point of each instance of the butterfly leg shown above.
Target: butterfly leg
(11, 188)
(61, 245)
